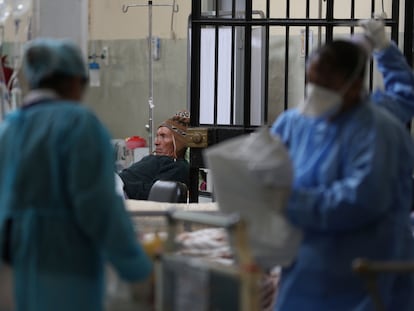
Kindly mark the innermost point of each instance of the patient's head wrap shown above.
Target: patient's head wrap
(178, 124)
(44, 58)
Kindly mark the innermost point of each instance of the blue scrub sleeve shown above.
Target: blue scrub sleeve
(99, 211)
(398, 94)
(361, 197)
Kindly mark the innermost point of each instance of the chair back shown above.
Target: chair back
(168, 191)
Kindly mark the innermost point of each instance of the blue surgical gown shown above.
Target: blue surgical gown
(397, 96)
(57, 190)
(349, 200)
(352, 198)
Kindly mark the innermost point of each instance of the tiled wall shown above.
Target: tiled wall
(122, 99)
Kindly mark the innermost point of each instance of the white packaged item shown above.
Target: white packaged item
(252, 175)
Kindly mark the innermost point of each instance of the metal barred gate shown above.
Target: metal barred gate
(247, 59)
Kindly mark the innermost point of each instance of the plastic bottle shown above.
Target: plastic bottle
(94, 77)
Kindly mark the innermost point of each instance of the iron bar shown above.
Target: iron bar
(408, 31)
(216, 70)
(195, 154)
(287, 35)
(352, 14)
(266, 65)
(232, 77)
(330, 22)
(283, 22)
(151, 82)
(396, 17)
(247, 64)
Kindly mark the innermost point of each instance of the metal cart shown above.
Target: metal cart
(188, 283)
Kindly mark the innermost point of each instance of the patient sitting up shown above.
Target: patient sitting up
(167, 162)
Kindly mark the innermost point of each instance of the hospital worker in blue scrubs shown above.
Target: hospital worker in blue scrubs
(352, 188)
(60, 218)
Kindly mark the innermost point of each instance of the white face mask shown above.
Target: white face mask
(323, 102)
(320, 101)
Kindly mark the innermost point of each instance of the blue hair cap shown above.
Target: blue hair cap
(44, 58)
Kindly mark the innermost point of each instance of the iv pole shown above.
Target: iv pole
(150, 125)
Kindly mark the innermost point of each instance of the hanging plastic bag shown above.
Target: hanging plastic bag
(252, 175)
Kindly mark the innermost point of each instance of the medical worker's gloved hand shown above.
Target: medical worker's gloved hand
(374, 30)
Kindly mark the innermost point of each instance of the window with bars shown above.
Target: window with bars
(247, 58)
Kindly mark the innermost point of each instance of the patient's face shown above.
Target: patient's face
(164, 144)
